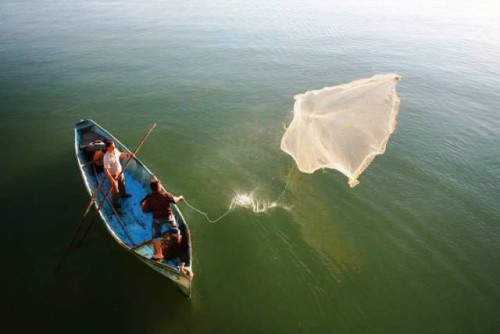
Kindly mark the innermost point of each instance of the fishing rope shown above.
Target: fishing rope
(206, 216)
(286, 184)
(246, 201)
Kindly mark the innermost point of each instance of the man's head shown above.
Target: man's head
(110, 146)
(155, 185)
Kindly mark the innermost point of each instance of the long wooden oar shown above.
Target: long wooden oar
(94, 198)
(80, 225)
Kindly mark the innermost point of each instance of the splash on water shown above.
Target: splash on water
(243, 200)
(250, 201)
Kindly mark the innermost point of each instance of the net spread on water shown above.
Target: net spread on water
(343, 127)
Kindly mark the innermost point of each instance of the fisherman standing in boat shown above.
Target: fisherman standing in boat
(113, 171)
(158, 202)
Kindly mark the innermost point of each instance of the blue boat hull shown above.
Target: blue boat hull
(130, 228)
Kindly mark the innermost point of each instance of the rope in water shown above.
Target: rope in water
(286, 184)
(212, 221)
(240, 200)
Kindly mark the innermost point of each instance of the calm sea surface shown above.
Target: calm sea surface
(415, 248)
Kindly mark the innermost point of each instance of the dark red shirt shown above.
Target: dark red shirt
(159, 204)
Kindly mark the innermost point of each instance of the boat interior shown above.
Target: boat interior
(128, 224)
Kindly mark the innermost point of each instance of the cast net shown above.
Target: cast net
(343, 127)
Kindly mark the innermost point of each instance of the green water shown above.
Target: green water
(413, 249)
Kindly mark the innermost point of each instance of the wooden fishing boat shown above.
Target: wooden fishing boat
(130, 228)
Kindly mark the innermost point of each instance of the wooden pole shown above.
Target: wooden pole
(80, 225)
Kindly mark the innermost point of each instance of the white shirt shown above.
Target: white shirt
(112, 162)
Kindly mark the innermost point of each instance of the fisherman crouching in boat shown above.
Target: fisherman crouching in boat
(158, 202)
(113, 171)
(98, 160)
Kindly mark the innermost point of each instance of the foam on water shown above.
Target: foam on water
(243, 200)
(250, 201)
